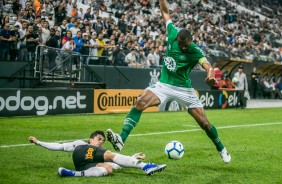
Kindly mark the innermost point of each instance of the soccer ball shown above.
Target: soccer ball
(174, 150)
(235, 80)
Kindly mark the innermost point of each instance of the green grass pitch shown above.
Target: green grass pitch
(252, 136)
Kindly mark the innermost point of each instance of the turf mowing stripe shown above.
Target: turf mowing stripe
(158, 133)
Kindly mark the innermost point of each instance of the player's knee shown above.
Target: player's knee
(140, 104)
(109, 156)
(203, 122)
(205, 125)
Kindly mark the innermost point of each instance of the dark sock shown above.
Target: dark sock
(212, 134)
(130, 122)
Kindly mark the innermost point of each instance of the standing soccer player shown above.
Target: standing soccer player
(181, 57)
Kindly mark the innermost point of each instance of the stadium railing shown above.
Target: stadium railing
(57, 65)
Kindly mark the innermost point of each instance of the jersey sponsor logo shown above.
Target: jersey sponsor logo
(89, 154)
(170, 64)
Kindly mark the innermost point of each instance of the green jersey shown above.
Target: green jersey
(177, 65)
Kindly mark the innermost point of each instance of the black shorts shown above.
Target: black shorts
(86, 156)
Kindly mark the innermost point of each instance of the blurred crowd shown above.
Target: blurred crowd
(132, 33)
(260, 86)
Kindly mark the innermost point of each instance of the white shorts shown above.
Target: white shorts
(184, 96)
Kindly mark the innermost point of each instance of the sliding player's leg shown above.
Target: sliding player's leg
(128, 161)
(100, 169)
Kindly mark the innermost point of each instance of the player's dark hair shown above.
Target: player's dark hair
(97, 132)
(184, 34)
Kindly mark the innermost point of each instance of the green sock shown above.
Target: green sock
(130, 122)
(212, 134)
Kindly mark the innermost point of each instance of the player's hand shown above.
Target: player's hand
(139, 156)
(211, 81)
(32, 139)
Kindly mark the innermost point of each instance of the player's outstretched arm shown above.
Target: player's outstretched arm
(164, 10)
(69, 147)
(47, 145)
(32, 139)
(210, 80)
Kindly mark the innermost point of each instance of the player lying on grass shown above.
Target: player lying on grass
(93, 160)
(182, 55)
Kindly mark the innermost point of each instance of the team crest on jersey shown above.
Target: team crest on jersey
(170, 64)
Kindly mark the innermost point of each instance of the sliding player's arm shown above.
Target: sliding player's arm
(69, 147)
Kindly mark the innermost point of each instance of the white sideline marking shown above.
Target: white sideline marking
(194, 126)
(158, 133)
